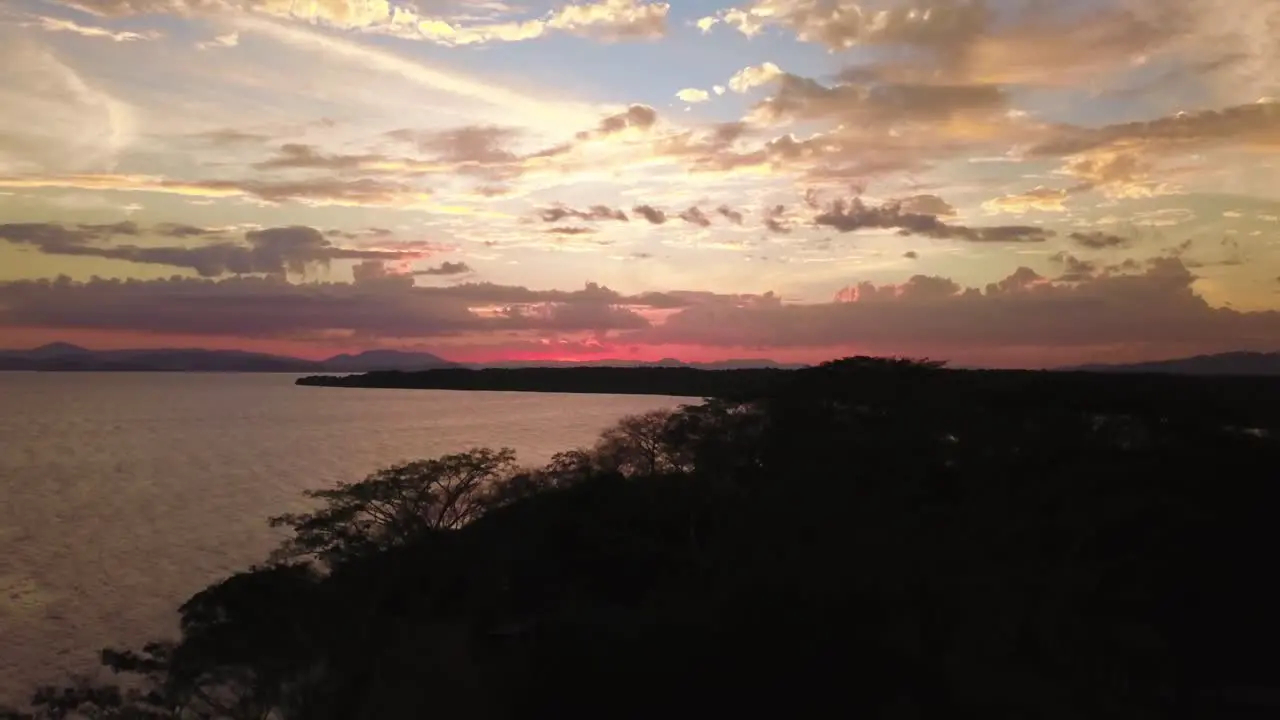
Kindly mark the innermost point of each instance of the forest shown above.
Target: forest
(869, 537)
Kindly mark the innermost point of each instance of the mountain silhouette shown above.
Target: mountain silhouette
(68, 357)
(61, 356)
(372, 360)
(1232, 363)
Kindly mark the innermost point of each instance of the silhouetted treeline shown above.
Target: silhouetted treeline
(857, 542)
(671, 381)
(1243, 400)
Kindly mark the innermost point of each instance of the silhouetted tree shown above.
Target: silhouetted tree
(397, 504)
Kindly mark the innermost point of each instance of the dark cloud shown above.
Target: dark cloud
(1257, 122)
(732, 215)
(320, 190)
(229, 136)
(911, 255)
(1153, 313)
(571, 230)
(127, 227)
(446, 268)
(300, 156)
(1097, 240)
(1073, 268)
(650, 213)
(775, 220)
(695, 216)
(1151, 310)
(381, 304)
(852, 215)
(48, 237)
(272, 251)
(468, 144)
(181, 230)
(926, 205)
(842, 24)
(595, 212)
(805, 99)
(641, 117)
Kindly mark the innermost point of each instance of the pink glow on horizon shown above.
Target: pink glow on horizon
(486, 350)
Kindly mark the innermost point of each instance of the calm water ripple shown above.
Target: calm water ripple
(123, 494)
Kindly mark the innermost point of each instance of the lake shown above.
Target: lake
(123, 494)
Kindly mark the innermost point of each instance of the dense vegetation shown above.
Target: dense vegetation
(1240, 396)
(867, 539)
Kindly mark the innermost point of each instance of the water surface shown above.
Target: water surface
(122, 494)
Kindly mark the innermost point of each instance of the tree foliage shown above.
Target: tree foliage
(397, 505)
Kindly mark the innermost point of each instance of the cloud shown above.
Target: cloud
(840, 24)
(693, 95)
(613, 19)
(55, 119)
(1097, 240)
(297, 155)
(1256, 124)
(729, 213)
(926, 204)
(695, 216)
(851, 215)
(314, 191)
(639, 117)
(650, 213)
(225, 137)
(1145, 309)
(383, 304)
(911, 255)
(447, 268)
(595, 212)
(379, 273)
(776, 220)
(1041, 198)
(472, 143)
(1073, 268)
(50, 24)
(1120, 173)
(571, 230)
(803, 99)
(1153, 313)
(504, 101)
(228, 40)
(1035, 43)
(182, 230)
(754, 76)
(274, 251)
(606, 20)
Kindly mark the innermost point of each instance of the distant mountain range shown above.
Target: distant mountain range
(1232, 363)
(67, 357)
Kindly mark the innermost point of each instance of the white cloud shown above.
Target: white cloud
(53, 119)
(229, 40)
(605, 19)
(502, 102)
(693, 95)
(50, 24)
(754, 76)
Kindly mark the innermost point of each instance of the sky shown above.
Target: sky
(1006, 183)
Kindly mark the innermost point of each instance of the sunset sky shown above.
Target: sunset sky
(1003, 183)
